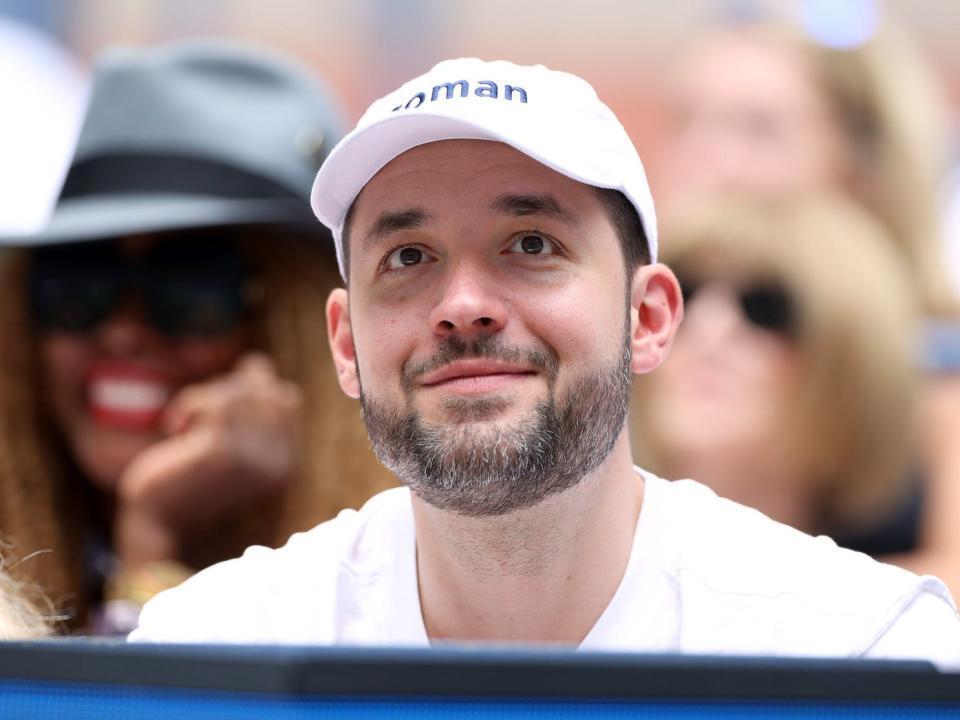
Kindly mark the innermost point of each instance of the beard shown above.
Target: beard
(479, 467)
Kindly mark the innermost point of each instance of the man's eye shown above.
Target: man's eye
(407, 256)
(531, 243)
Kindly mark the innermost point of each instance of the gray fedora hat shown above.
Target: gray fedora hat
(190, 135)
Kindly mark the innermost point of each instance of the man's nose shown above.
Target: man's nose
(470, 305)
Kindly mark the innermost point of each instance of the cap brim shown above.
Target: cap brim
(101, 217)
(365, 151)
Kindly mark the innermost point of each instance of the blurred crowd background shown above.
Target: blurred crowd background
(363, 49)
(804, 156)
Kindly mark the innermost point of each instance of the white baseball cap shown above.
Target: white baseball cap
(554, 117)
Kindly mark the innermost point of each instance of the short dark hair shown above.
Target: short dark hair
(624, 216)
(626, 221)
(345, 241)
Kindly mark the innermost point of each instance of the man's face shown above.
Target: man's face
(488, 309)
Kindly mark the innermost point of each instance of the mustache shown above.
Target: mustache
(540, 357)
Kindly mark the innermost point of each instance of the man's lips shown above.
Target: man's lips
(474, 375)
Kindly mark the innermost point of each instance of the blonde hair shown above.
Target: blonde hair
(851, 414)
(44, 508)
(888, 101)
(20, 616)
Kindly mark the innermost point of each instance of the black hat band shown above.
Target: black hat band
(151, 173)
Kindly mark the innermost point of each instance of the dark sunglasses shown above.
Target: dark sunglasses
(767, 306)
(185, 287)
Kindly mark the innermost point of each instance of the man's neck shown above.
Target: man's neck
(541, 574)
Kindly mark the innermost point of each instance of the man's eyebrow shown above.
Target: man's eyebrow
(391, 221)
(521, 205)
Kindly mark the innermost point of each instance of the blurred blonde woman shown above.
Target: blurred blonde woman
(763, 105)
(791, 381)
(772, 106)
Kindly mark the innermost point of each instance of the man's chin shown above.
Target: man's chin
(492, 454)
(477, 410)
(471, 435)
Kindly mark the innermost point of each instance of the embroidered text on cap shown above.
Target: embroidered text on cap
(485, 88)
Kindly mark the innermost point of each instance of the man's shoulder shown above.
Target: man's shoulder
(732, 547)
(287, 594)
(744, 580)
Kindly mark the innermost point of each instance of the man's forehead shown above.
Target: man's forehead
(455, 161)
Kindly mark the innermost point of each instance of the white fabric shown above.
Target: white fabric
(472, 99)
(951, 228)
(705, 575)
(44, 93)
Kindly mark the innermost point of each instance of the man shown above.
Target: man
(498, 242)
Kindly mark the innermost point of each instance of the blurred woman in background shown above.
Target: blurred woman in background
(790, 385)
(765, 107)
(166, 393)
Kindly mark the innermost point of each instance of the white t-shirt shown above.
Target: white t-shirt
(705, 575)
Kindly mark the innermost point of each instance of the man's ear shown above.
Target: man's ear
(340, 335)
(656, 308)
